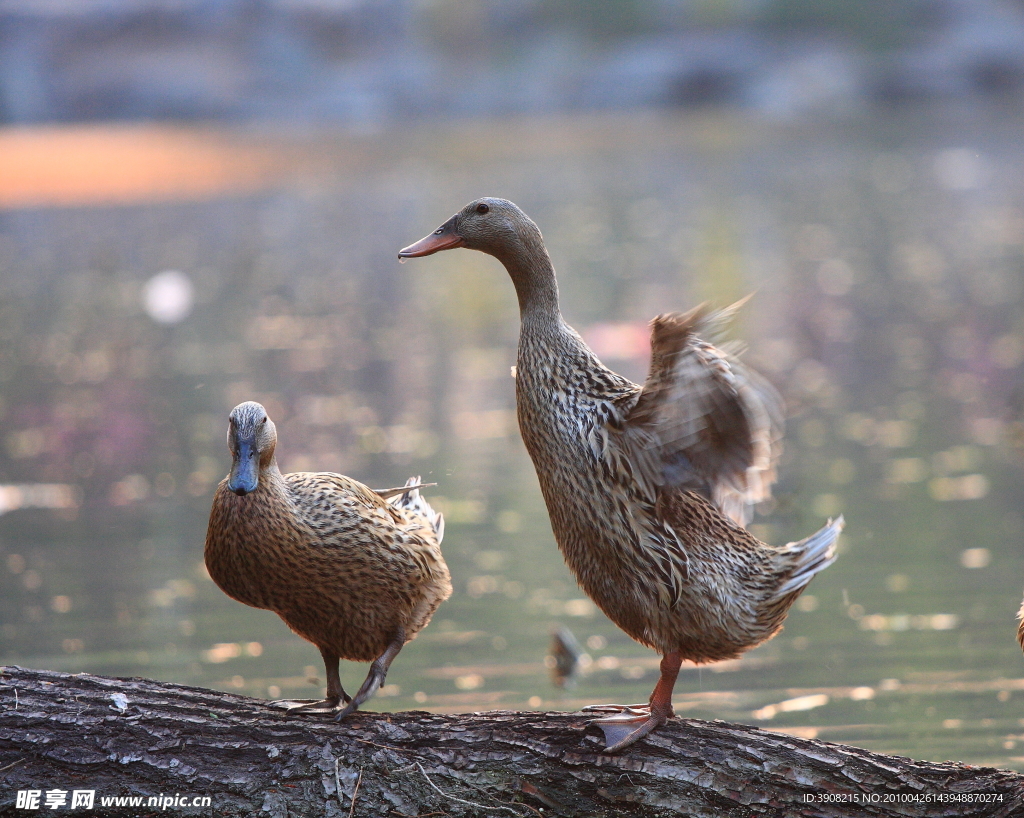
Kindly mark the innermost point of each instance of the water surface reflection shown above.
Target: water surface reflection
(888, 264)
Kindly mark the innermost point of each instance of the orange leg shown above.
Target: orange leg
(632, 722)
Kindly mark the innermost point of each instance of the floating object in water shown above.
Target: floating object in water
(563, 660)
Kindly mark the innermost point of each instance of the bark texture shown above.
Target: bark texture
(123, 737)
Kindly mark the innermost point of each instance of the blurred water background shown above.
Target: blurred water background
(201, 203)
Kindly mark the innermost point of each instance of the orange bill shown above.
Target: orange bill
(444, 238)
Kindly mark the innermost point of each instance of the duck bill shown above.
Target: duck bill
(245, 470)
(444, 238)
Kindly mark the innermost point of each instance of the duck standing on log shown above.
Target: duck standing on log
(357, 572)
(648, 487)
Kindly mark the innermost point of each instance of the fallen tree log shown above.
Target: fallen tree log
(148, 740)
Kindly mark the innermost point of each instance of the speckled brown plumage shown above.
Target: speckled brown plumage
(647, 488)
(350, 571)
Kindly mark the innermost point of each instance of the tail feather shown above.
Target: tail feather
(409, 498)
(814, 554)
(387, 494)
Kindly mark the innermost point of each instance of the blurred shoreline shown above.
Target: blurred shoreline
(119, 163)
(369, 63)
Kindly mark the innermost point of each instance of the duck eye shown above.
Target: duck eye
(263, 420)
(482, 208)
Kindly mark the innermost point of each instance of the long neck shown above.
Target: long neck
(533, 275)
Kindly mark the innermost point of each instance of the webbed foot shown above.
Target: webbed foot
(630, 725)
(336, 695)
(631, 722)
(310, 705)
(615, 708)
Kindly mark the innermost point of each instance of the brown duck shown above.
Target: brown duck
(357, 572)
(648, 487)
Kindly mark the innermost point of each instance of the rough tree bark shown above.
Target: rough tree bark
(137, 737)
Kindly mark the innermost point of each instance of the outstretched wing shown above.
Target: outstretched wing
(703, 421)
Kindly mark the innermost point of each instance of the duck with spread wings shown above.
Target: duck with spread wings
(648, 487)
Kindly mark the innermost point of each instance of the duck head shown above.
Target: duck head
(252, 437)
(494, 226)
(499, 228)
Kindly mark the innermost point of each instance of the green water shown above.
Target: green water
(888, 264)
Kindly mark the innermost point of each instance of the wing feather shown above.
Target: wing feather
(703, 421)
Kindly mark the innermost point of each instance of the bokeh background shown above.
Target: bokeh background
(201, 202)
